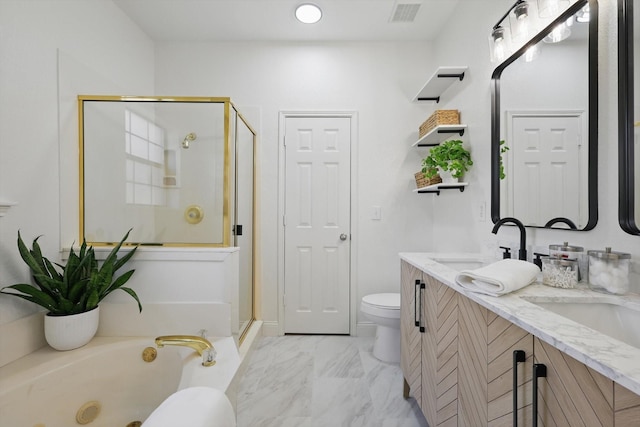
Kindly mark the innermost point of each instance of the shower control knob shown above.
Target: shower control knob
(343, 236)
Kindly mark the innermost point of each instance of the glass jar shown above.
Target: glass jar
(560, 272)
(572, 252)
(609, 271)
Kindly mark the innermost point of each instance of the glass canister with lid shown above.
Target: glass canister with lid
(567, 251)
(609, 271)
(560, 272)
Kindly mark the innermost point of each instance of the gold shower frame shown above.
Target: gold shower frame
(226, 219)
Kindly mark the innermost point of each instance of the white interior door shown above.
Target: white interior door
(547, 153)
(317, 225)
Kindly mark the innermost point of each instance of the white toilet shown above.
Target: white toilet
(384, 311)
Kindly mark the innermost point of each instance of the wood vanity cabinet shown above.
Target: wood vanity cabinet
(486, 345)
(626, 407)
(460, 368)
(410, 337)
(571, 393)
(429, 330)
(574, 394)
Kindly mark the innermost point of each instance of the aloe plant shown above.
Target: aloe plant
(76, 287)
(448, 156)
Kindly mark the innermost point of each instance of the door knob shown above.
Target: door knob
(343, 236)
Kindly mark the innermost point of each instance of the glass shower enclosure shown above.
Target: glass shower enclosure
(179, 171)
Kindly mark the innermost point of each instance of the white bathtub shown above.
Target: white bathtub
(49, 388)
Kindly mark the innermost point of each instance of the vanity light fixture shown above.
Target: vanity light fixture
(559, 33)
(308, 13)
(551, 8)
(499, 46)
(520, 23)
(500, 41)
(584, 15)
(532, 53)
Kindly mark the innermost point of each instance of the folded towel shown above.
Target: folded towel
(499, 278)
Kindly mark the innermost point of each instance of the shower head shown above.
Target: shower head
(187, 139)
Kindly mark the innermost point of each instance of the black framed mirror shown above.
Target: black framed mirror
(628, 112)
(546, 112)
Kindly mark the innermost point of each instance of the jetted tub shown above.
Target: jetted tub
(106, 381)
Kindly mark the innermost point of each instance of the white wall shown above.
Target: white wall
(37, 168)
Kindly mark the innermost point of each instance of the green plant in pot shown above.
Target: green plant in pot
(503, 149)
(449, 156)
(73, 290)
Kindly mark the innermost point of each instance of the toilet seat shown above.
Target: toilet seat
(381, 305)
(383, 301)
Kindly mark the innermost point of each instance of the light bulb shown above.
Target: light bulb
(308, 13)
(532, 53)
(559, 33)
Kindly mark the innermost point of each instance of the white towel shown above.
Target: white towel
(499, 278)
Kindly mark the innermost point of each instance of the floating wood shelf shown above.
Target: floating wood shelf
(436, 188)
(439, 134)
(440, 82)
(4, 206)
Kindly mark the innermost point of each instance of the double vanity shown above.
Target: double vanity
(569, 356)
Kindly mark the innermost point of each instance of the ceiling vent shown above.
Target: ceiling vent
(404, 11)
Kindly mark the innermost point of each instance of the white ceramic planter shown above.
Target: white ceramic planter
(73, 331)
(446, 177)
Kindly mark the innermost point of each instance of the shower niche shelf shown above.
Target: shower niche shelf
(439, 82)
(439, 134)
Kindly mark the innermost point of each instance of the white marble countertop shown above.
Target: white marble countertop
(612, 358)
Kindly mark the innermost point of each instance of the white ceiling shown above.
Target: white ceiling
(271, 20)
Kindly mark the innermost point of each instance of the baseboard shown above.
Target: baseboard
(366, 329)
(363, 329)
(270, 328)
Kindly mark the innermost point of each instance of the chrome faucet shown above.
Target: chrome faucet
(522, 253)
(200, 344)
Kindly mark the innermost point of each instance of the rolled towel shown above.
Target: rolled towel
(499, 278)
(194, 407)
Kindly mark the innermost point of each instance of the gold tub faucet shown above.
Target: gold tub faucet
(200, 344)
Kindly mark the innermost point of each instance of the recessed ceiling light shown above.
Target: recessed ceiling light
(308, 13)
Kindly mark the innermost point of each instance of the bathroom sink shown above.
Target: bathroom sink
(465, 262)
(615, 320)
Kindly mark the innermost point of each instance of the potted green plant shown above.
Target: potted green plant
(449, 156)
(503, 149)
(71, 292)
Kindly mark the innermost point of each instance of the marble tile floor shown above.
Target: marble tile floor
(322, 381)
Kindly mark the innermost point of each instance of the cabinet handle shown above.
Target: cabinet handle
(422, 288)
(416, 297)
(518, 357)
(539, 370)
